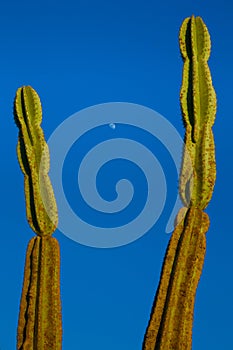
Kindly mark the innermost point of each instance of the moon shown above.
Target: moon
(112, 126)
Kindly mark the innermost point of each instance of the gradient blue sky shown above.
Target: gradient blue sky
(81, 53)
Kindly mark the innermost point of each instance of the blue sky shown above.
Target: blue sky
(77, 54)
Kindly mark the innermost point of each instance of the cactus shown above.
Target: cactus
(170, 324)
(39, 324)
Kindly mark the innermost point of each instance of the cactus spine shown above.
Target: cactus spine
(39, 325)
(170, 325)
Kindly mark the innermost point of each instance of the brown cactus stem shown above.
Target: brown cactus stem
(39, 326)
(170, 325)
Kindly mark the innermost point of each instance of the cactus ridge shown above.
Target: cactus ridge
(170, 324)
(198, 106)
(33, 156)
(39, 325)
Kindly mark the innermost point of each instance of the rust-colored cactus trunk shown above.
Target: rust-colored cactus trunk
(39, 325)
(171, 320)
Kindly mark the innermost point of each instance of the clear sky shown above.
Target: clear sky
(77, 54)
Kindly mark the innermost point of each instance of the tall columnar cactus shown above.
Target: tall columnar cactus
(39, 325)
(170, 325)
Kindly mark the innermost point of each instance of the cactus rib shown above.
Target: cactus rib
(198, 106)
(33, 156)
(39, 326)
(172, 313)
(170, 325)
